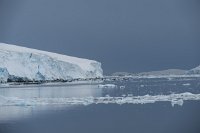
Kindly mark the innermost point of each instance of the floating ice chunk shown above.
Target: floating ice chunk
(107, 86)
(170, 78)
(130, 95)
(123, 95)
(141, 85)
(186, 84)
(122, 87)
(177, 102)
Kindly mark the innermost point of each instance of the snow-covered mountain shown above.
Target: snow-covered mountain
(165, 72)
(194, 71)
(21, 63)
(154, 73)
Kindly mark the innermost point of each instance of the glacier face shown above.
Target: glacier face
(30, 64)
(4, 75)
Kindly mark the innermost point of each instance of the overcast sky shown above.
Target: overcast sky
(125, 35)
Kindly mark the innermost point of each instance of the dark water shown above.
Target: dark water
(158, 117)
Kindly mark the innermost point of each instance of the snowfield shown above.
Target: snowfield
(194, 71)
(24, 64)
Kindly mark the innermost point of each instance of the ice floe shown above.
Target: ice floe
(186, 84)
(175, 99)
(107, 86)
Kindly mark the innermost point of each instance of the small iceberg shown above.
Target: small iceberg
(186, 84)
(107, 86)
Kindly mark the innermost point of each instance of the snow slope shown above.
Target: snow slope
(194, 71)
(30, 64)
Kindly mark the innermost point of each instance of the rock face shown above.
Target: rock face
(194, 71)
(20, 63)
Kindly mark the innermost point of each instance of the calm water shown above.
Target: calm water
(73, 108)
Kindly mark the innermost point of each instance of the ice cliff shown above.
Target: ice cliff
(25, 64)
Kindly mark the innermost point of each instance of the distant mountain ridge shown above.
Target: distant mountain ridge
(165, 72)
(160, 73)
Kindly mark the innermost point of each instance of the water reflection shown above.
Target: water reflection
(9, 113)
(52, 92)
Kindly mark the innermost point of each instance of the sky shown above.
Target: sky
(124, 35)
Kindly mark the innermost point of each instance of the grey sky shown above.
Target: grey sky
(125, 35)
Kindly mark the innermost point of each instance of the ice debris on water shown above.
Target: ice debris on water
(107, 86)
(142, 86)
(175, 99)
(186, 84)
(122, 87)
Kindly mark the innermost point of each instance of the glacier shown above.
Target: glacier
(25, 64)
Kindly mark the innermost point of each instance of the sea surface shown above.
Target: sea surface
(115, 105)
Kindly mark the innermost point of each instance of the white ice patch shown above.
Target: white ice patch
(107, 86)
(186, 84)
(175, 99)
(122, 87)
(142, 85)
